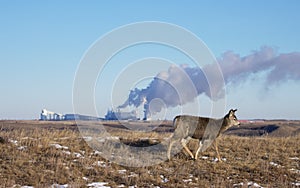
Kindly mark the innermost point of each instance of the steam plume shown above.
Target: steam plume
(281, 66)
(167, 85)
(173, 87)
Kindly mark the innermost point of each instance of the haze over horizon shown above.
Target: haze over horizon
(256, 44)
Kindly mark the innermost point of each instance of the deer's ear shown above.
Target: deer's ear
(231, 112)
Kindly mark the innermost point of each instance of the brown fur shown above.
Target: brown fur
(206, 130)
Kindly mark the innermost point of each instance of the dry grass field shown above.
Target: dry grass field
(54, 154)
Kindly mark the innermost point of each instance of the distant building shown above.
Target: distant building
(80, 117)
(118, 115)
(47, 115)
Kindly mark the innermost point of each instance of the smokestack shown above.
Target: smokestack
(146, 109)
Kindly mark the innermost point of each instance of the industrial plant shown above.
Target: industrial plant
(47, 115)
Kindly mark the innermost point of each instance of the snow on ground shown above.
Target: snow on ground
(107, 138)
(66, 152)
(249, 184)
(22, 148)
(213, 159)
(15, 142)
(100, 163)
(132, 174)
(98, 185)
(85, 178)
(96, 152)
(122, 171)
(275, 164)
(87, 138)
(187, 180)
(163, 179)
(58, 146)
(296, 184)
(59, 186)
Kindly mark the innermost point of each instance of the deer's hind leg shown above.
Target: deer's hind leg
(184, 141)
(217, 150)
(170, 148)
(198, 150)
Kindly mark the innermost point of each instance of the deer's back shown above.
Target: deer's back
(192, 126)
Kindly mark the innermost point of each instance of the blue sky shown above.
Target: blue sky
(42, 43)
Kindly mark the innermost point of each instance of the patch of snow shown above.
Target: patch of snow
(27, 186)
(87, 138)
(204, 157)
(22, 148)
(15, 142)
(132, 174)
(296, 184)
(187, 180)
(122, 171)
(215, 160)
(238, 184)
(113, 138)
(122, 185)
(58, 146)
(101, 140)
(275, 164)
(250, 183)
(254, 184)
(98, 185)
(163, 179)
(294, 158)
(67, 152)
(96, 152)
(59, 186)
(78, 155)
(100, 163)
(85, 178)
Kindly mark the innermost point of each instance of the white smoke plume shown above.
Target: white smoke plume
(173, 87)
(167, 84)
(282, 67)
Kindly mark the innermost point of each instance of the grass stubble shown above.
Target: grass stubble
(43, 157)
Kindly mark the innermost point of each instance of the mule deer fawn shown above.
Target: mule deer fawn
(206, 130)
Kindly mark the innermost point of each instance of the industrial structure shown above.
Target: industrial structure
(47, 115)
(118, 115)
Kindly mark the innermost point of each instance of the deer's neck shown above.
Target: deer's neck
(225, 125)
